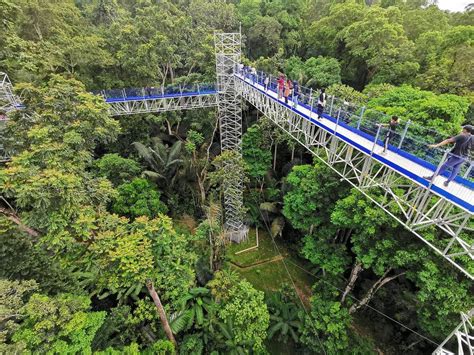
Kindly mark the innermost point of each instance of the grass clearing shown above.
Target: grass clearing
(264, 267)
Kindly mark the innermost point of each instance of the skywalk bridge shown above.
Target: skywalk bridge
(159, 99)
(346, 143)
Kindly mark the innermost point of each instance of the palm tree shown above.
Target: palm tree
(226, 339)
(163, 161)
(194, 305)
(284, 319)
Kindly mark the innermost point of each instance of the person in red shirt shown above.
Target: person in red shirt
(281, 86)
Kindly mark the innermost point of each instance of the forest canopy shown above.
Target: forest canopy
(111, 228)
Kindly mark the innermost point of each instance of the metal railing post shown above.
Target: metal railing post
(404, 133)
(199, 91)
(468, 171)
(376, 139)
(337, 120)
(332, 103)
(162, 90)
(438, 168)
(124, 94)
(362, 111)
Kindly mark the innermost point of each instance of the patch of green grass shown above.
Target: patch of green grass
(271, 276)
(265, 250)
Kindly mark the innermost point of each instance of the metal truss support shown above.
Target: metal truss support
(8, 100)
(228, 52)
(162, 104)
(413, 205)
(461, 339)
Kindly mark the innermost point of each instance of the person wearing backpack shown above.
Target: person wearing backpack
(321, 103)
(463, 144)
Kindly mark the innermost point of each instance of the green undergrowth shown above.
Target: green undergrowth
(264, 267)
(264, 252)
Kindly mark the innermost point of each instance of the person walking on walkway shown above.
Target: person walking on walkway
(392, 126)
(463, 144)
(266, 82)
(253, 73)
(296, 92)
(321, 103)
(288, 89)
(281, 86)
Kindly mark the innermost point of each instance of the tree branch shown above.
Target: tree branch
(15, 219)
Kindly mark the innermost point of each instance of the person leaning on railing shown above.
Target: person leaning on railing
(463, 145)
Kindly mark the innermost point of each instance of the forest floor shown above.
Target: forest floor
(267, 268)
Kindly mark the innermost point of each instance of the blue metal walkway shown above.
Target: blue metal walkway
(408, 153)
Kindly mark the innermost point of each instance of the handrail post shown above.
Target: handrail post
(199, 91)
(404, 133)
(162, 90)
(332, 103)
(124, 94)
(438, 168)
(376, 139)
(468, 171)
(337, 120)
(310, 103)
(362, 111)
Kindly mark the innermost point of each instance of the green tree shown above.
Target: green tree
(264, 37)
(241, 308)
(163, 161)
(443, 113)
(138, 198)
(380, 42)
(326, 328)
(117, 169)
(256, 153)
(13, 296)
(313, 191)
(316, 72)
(285, 318)
(60, 324)
(48, 180)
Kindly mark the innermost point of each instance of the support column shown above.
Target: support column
(228, 53)
(461, 340)
(8, 103)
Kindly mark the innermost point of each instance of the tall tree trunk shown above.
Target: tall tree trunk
(356, 270)
(371, 292)
(275, 156)
(161, 313)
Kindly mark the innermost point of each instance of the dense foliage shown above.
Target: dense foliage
(111, 229)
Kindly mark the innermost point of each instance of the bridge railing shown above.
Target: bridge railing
(410, 139)
(152, 92)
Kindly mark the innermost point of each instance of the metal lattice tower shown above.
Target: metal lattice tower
(228, 52)
(8, 103)
(463, 336)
